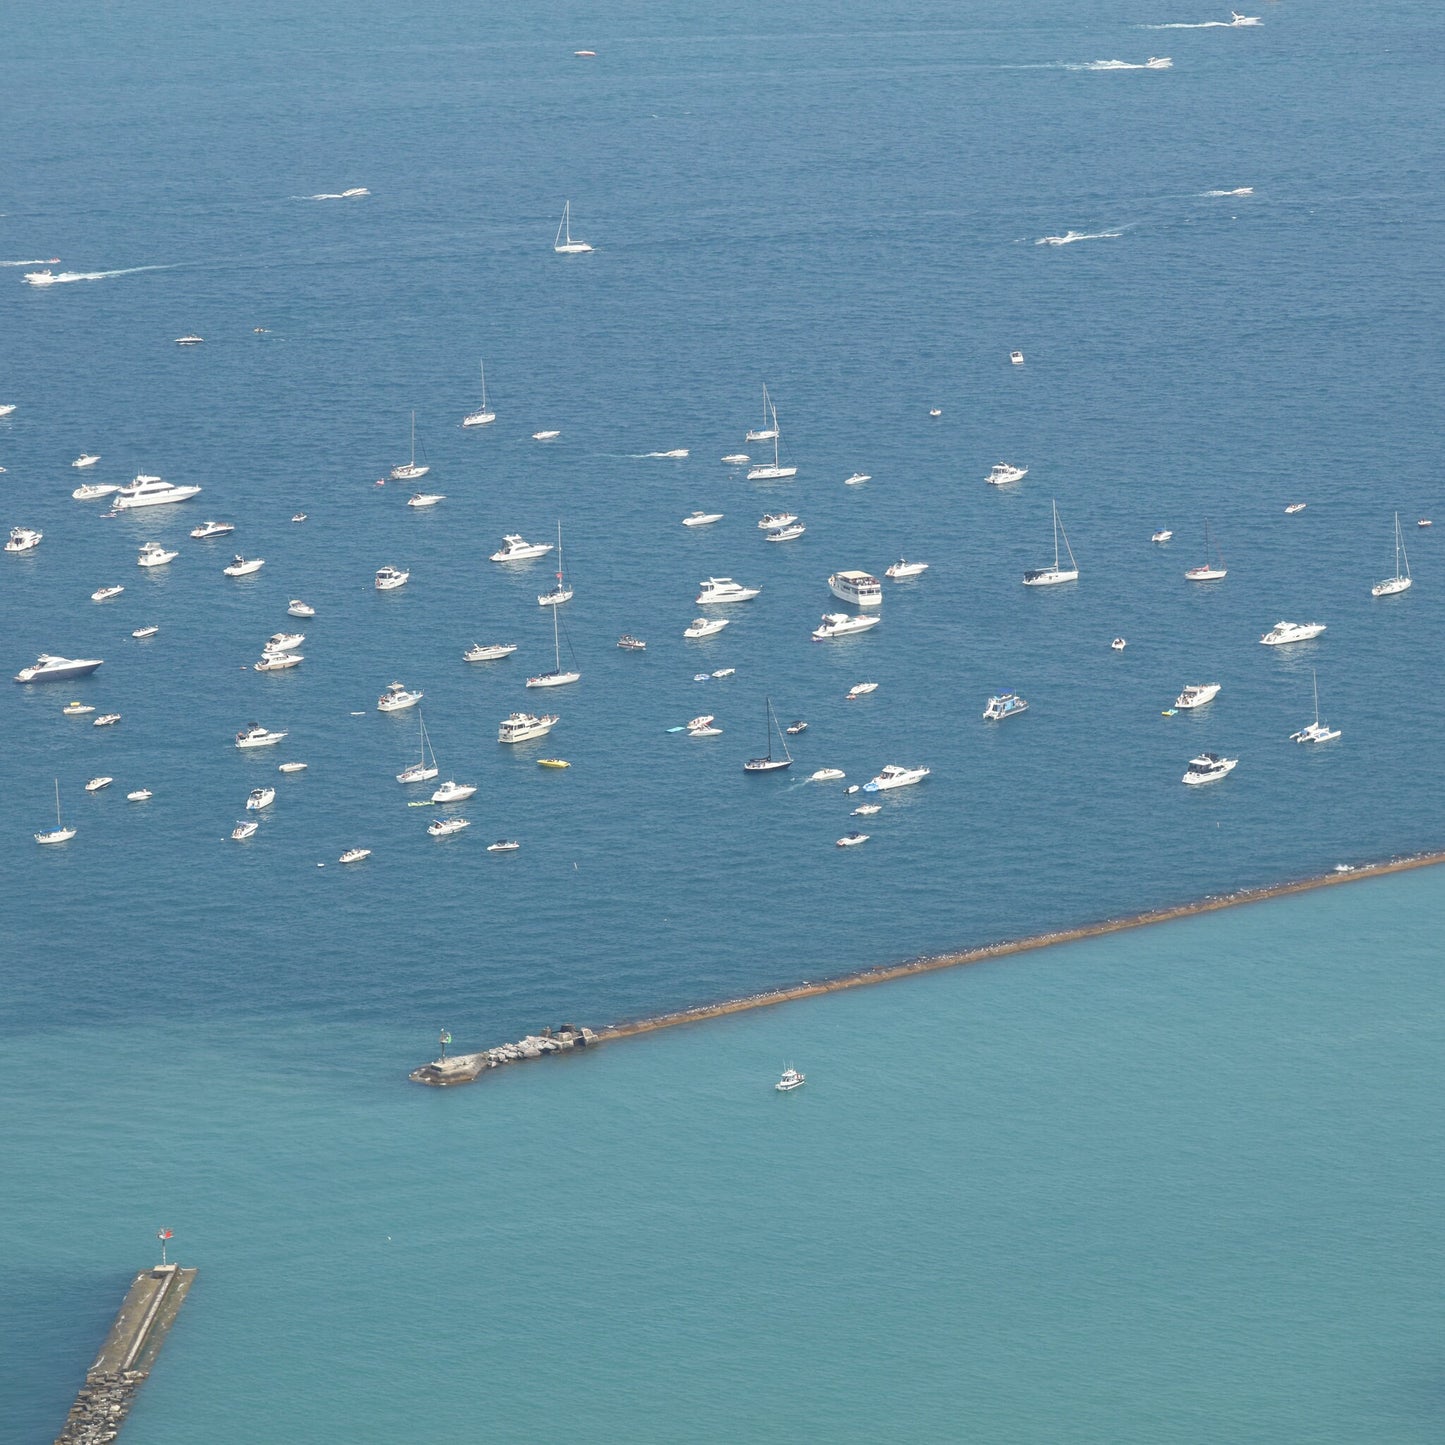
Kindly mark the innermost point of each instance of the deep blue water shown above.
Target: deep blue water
(841, 203)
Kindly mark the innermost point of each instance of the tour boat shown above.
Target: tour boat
(152, 554)
(895, 776)
(96, 784)
(521, 727)
(1003, 473)
(559, 675)
(1005, 704)
(148, 491)
(139, 795)
(259, 798)
(771, 520)
(451, 792)
(1196, 694)
(1162, 535)
(1401, 581)
(410, 471)
(903, 568)
(1208, 768)
(443, 827)
(389, 578)
(774, 472)
(486, 416)
(253, 735)
(93, 491)
(104, 594)
(59, 833)
(48, 668)
(417, 499)
(243, 566)
(768, 763)
(791, 1079)
(705, 626)
(840, 624)
(298, 608)
(106, 720)
(244, 830)
(354, 855)
(853, 839)
(1283, 633)
(769, 429)
(628, 643)
(396, 698)
(86, 459)
(718, 591)
(1315, 732)
(862, 589)
(515, 549)
(1207, 571)
(785, 534)
(488, 651)
(212, 529)
(1052, 576)
(701, 519)
(564, 245)
(23, 539)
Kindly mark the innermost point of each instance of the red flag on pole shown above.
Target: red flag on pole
(165, 1234)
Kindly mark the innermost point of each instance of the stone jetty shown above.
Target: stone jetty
(463, 1068)
(130, 1349)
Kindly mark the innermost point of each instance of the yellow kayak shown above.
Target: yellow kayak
(553, 763)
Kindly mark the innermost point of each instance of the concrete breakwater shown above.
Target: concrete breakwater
(150, 1307)
(466, 1067)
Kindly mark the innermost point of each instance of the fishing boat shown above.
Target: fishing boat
(768, 763)
(1207, 571)
(59, 833)
(398, 697)
(791, 1080)
(1402, 580)
(559, 675)
(564, 245)
(1315, 732)
(774, 472)
(485, 416)
(1052, 576)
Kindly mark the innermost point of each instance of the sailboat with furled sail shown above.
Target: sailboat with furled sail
(1402, 580)
(59, 833)
(770, 764)
(559, 675)
(425, 768)
(486, 416)
(774, 471)
(769, 428)
(410, 471)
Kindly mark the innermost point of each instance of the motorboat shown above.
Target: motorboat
(1158, 62)
(1208, 768)
(7, 408)
(826, 775)
(47, 277)
(488, 651)
(1004, 704)
(628, 643)
(291, 768)
(259, 798)
(77, 709)
(1235, 18)
(86, 459)
(862, 589)
(152, 554)
(425, 768)
(1283, 633)
(283, 641)
(139, 795)
(503, 845)
(444, 827)
(545, 436)
(895, 776)
(242, 566)
(1162, 535)
(355, 855)
(1315, 732)
(149, 491)
(1424, 522)
(736, 459)
(857, 479)
(724, 672)
(935, 412)
(485, 416)
(396, 698)
(278, 661)
(771, 520)
(707, 730)
(559, 676)
(253, 735)
(141, 633)
(840, 624)
(104, 594)
(59, 833)
(1003, 473)
(697, 519)
(794, 728)
(298, 516)
(705, 626)
(515, 549)
(189, 340)
(718, 591)
(564, 245)
(212, 529)
(1196, 694)
(96, 784)
(904, 568)
(853, 839)
(1295, 508)
(106, 720)
(1017, 357)
(774, 471)
(866, 810)
(553, 763)
(521, 727)
(861, 689)
(768, 763)
(23, 539)
(785, 534)
(242, 831)
(94, 491)
(389, 578)
(791, 1079)
(1052, 576)
(410, 471)
(1402, 580)
(298, 608)
(49, 668)
(451, 792)
(421, 499)
(1207, 571)
(1118, 644)
(769, 428)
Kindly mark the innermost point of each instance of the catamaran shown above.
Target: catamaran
(1315, 732)
(770, 764)
(486, 416)
(1050, 576)
(564, 245)
(1402, 580)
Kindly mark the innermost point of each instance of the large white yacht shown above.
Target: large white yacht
(243, 566)
(488, 651)
(840, 624)
(860, 588)
(212, 529)
(389, 578)
(152, 554)
(49, 668)
(520, 727)
(1003, 473)
(1196, 694)
(397, 697)
(1285, 632)
(148, 491)
(86, 459)
(895, 776)
(253, 735)
(516, 549)
(23, 539)
(718, 590)
(94, 491)
(1208, 768)
(705, 626)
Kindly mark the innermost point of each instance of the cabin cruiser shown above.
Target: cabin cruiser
(86, 459)
(253, 735)
(1286, 632)
(259, 798)
(291, 768)
(771, 520)
(860, 588)
(242, 831)
(104, 594)
(1003, 473)
(389, 578)
(1196, 694)
(488, 651)
(826, 775)
(840, 624)
(503, 845)
(140, 795)
(396, 697)
(356, 855)
(546, 436)
(49, 668)
(857, 479)
(520, 727)
(212, 529)
(417, 499)
(516, 549)
(450, 792)
(242, 566)
(1208, 768)
(1017, 357)
(853, 839)
(94, 491)
(904, 568)
(697, 519)
(794, 728)
(152, 554)
(148, 491)
(861, 689)
(1006, 704)
(96, 784)
(791, 1079)
(895, 776)
(106, 720)
(23, 539)
(628, 643)
(443, 827)
(705, 626)
(719, 590)
(141, 633)
(278, 661)
(77, 709)
(785, 534)
(1295, 508)
(283, 641)
(298, 608)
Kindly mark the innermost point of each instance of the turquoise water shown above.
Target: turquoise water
(1171, 1185)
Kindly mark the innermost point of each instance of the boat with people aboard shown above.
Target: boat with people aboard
(1208, 571)
(904, 568)
(791, 1080)
(717, 591)
(1208, 768)
(862, 589)
(453, 792)
(354, 855)
(1004, 704)
(94, 491)
(769, 521)
(445, 827)
(259, 798)
(23, 539)
(106, 720)
(705, 626)
(785, 534)
(503, 845)
(521, 727)
(895, 775)
(298, 608)
(853, 839)
(151, 491)
(49, 668)
(243, 566)
(1162, 535)
(628, 643)
(212, 529)
(77, 709)
(96, 784)
(1196, 694)
(86, 459)
(104, 594)
(152, 554)
(278, 661)
(857, 479)
(1283, 633)
(245, 829)
(841, 624)
(417, 499)
(398, 697)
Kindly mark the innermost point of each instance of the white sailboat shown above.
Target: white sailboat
(1050, 576)
(770, 764)
(1402, 580)
(59, 833)
(564, 245)
(561, 592)
(410, 472)
(1316, 732)
(769, 428)
(775, 472)
(1207, 571)
(486, 416)
(558, 676)
(425, 768)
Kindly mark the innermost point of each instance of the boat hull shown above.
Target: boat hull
(57, 674)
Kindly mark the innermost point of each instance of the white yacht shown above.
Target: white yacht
(298, 608)
(243, 566)
(1283, 633)
(253, 735)
(791, 1079)
(23, 539)
(736, 459)
(59, 833)
(259, 798)
(212, 529)
(444, 827)
(716, 591)
(769, 428)
(705, 626)
(148, 491)
(770, 521)
(826, 775)
(94, 491)
(152, 554)
(421, 499)
(244, 830)
(521, 727)
(1051, 576)
(564, 245)
(1196, 694)
(768, 763)
(283, 641)
(139, 795)
(857, 479)
(559, 675)
(1208, 768)
(903, 568)
(291, 768)
(425, 768)
(77, 709)
(545, 436)
(1208, 571)
(106, 720)
(785, 534)
(840, 624)
(503, 845)
(1016, 357)
(1003, 473)
(488, 651)
(396, 698)
(1162, 535)
(86, 459)
(104, 594)
(853, 839)
(49, 668)
(96, 784)
(516, 549)
(354, 855)
(278, 661)
(774, 471)
(389, 578)
(451, 792)
(486, 416)
(860, 588)
(1402, 580)
(409, 471)
(861, 689)
(701, 519)
(1004, 704)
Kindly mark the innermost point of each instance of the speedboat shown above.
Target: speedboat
(515, 549)
(396, 697)
(904, 568)
(298, 608)
(443, 827)
(140, 795)
(697, 519)
(291, 768)
(520, 727)
(488, 651)
(770, 520)
(785, 534)
(1005, 704)
(242, 566)
(1158, 62)
(853, 839)
(259, 798)
(862, 589)
(451, 792)
(826, 775)
(422, 499)
(705, 626)
(86, 459)
(46, 277)
(935, 412)
(1017, 357)
(1162, 535)
(104, 594)
(253, 735)
(896, 776)
(1295, 507)
(242, 831)
(1196, 694)
(389, 578)
(794, 728)
(717, 591)
(278, 661)
(1003, 473)
(866, 810)
(1235, 18)
(23, 539)
(791, 1079)
(189, 340)
(861, 689)
(141, 633)
(94, 491)
(547, 436)
(736, 459)
(96, 784)
(149, 491)
(354, 855)
(1118, 644)
(857, 479)
(212, 529)
(1208, 768)
(283, 641)
(1286, 632)
(48, 668)
(553, 763)
(106, 720)
(152, 554)
(503, 845)
(298, 517)
(840, 624)
(628, 643)
(1424, 522)
(77, 709)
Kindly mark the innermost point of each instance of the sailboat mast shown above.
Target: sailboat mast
(58, 823)
(1056, 536)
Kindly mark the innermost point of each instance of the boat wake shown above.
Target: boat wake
(53, 261)
(1235, 21)
(1069, 237)
(54, 278)
(353, 194)
(1238, 191)
(1154, 62)
(677, 453)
